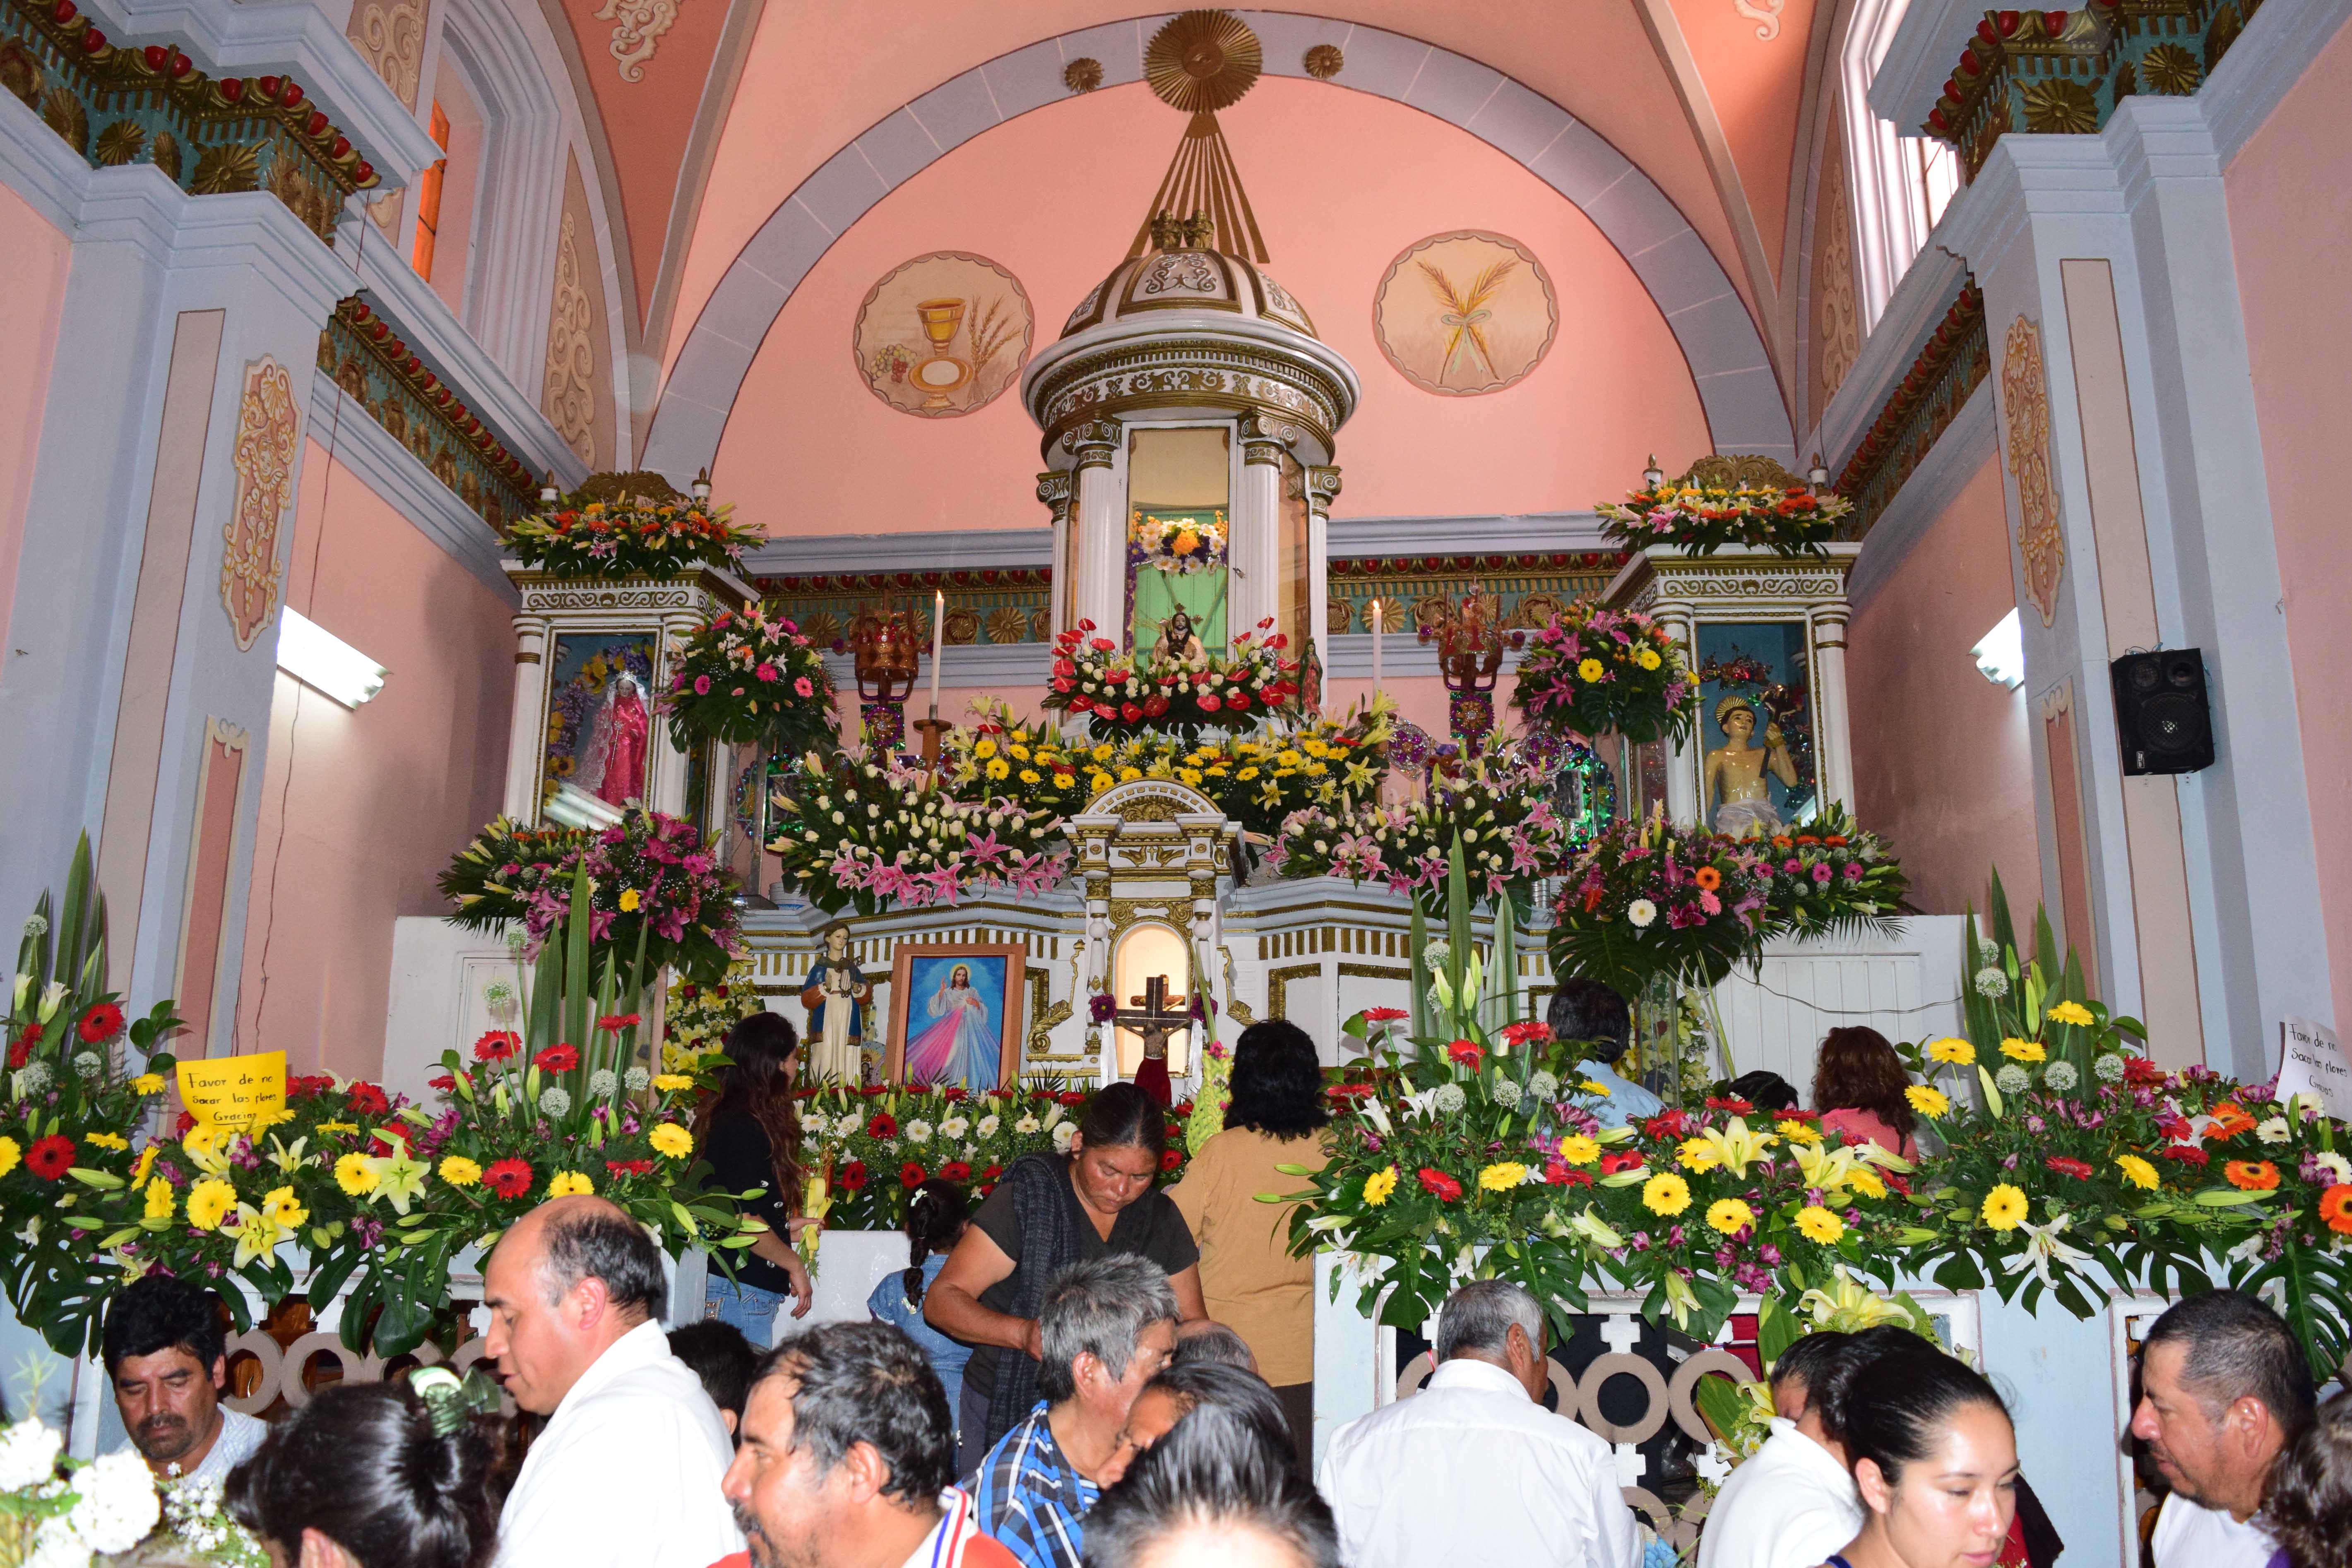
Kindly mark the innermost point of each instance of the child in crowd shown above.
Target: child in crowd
(936, 1214)
(718, 1354)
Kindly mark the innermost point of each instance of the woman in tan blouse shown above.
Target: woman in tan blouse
(1249, 1280)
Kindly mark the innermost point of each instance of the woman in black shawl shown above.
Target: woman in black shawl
(1048, 1212)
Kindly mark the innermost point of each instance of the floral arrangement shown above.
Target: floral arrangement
(1704, 518)
(634, 537)
(1647, 900)
(1494, 795)
(499, 876)
(1829, 875)
(696, 1021)
(1592, 671)
(1741, 1414)
(1128, 693)
(742, 678)
(855, 830)
(57, 1512)
(1184, 544)
(200, 1529)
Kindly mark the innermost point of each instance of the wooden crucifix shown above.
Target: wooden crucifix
(1154, 1017)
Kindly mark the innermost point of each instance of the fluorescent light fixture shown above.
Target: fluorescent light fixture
(2001, 655)
(324, 662)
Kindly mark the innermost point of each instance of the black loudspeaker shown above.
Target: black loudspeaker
(2162, 718)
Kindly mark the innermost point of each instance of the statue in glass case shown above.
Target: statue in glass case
(1738, 800)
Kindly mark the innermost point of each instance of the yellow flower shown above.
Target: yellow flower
(984, 749)
(1698, 1155)
(459, 1171)
(1930, 1102)
(1099, 782)
(671, 1082)
(106, 1140)
(1128, 775)
(2004, 1208)
(563, 1184)
(1666, 1193)
(1590, 1087)
(629, 901)
(1587, 671)
(671, 1139)
(999, 769)
(1798, 1132)
(2072, 1012)
(1866, 1182)
(1502, 1175)
(1379, 1185)
(1958, 1053)
(2023, 1049)
(1578, 1150)
(1818, 1224)
(1029, 776)
(279, 1207)
(1729, 1215)
(148, 1084)
(137, 1171)
(354, 1175)
(351, 1127)
(160, 1199)
(1648, 659)
(2136, 1171)
(209, 1202)
(10, 1152)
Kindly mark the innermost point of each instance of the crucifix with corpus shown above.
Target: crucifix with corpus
(1153, 1018)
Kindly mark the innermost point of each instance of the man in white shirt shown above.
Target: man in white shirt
(2223, 1387)
(1792, 1502)
(1589, 1012)
(1472, 1470)
(626, 1474)
(167, 1358)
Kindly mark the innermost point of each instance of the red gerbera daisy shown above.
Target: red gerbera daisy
(852, 1176)
(1612, 1164)
(1170, 1159)
(368, 1100)
(2186, 1154)
(496, 1045)
(883, 1125)
(1438, 1184)
(1466, 1053)
(912, 1174)
(630, 1167)
(955, 1170)
(614, 1023)
(558, 1059)
(991, 1173)
(101, 1023)
(507, 1177)
(2065, 1166)
(49, 1158)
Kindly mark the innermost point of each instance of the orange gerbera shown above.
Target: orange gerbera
(2336, 1208)
(2230, 1119)
(2251, 1175)
(1707, 878)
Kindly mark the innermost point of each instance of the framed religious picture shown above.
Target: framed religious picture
(955, 1015)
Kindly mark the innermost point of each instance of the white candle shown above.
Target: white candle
(1376, 647)
(939, 628)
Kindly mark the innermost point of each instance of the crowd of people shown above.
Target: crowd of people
(1088, 1372)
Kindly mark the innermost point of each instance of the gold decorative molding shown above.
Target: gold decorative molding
(1045, 1015)
(390, 36)
(1955, 361)
(568, 393)
(1277, 986)
(2025, 408)
(637, 28)
(1324, 61)
(1839, 343)
(269, 436)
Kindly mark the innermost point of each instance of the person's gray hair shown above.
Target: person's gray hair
(2235, 1347)
(1098, 1308)
(1479, 1317)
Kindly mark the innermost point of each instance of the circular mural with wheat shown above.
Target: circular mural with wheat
(1466, 313)
(942, 335)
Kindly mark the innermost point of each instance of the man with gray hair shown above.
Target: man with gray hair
(1494, 1476)
(1105, 1327)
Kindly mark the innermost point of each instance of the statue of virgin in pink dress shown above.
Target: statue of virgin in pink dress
(961, 1048)
(615, 758)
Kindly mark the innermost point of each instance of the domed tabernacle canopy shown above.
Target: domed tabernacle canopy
(1181, 272)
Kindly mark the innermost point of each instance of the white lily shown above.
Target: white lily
(2041, 1246)
(285, 1159)
(1372, 1111)
(1421, 1103)
(24, 987)
(52, 996)
(1879, 1155)
(1848, 1304)
(1679, 1297)
(1593, 1228)
(1440, 990)
(1828, 1169)
(1738, 1146)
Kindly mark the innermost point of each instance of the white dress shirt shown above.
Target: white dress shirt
(1471, 1470)
(2189, 1535)
(626, 1474)
(1790, 1506)
(240, 1435)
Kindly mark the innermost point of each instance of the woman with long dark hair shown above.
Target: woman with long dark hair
(1858, 1084)
(1050, 1211)
(1249, 1280)
(751, 1132)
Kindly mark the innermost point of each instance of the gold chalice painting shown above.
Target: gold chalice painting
(1466, 313)
(942, 335)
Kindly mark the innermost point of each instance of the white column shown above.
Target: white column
(1682, 755)
(1833, 740)
(1322, 488)
(1098, 556)
(1256, 587)
(666, 767)
(1053, 490)
(526, 741)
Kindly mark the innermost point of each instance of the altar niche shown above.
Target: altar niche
(1179, 538)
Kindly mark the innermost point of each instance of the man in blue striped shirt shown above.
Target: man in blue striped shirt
(1105, 1328)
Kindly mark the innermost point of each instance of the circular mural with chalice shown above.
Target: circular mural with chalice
(942, 335)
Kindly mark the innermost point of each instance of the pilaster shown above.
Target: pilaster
(1098, 591)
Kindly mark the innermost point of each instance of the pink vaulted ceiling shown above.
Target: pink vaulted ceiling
(1757, 86)
(1341, 183)
(818, 76)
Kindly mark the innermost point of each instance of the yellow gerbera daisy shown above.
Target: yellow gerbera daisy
(1576, 1149)
(2023, 1049)
(459, 1171)
(1958, 1053)
(209, 1202)
(1502, 1175)
(671, 1141)
(1589, 670)
(2004, 1208)
(564, 1184)
(1379, 1185)
(1698, 1154)
(2072, 1012)
(1930, 1102)
(2136, 1171)
(1665, 1193)
(1729, 1215)
(355, 1175)
(1818, 1224)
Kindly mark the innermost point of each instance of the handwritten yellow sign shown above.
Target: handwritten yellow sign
(233, 1091)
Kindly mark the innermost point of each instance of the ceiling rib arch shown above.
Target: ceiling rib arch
(1737, 386)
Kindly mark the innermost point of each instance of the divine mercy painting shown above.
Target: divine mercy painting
(955, 1015)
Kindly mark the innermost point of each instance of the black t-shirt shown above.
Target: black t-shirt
(741, 1159)
(1151, 1227)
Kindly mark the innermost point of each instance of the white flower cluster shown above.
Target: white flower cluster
(28, 1455)
(2109, 1068)
(114, 1505)
(1542, 1087)
(1991, 982)
(1450, 1099)
(1504, 1094)
(2012, 1079)
(635, 1079)
(601, 1083)
(554, 1100)
(194, 1514)
(2061, 1076)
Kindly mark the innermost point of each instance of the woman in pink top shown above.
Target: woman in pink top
(1858, 1083)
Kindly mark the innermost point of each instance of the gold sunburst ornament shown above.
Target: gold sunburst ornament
(1203, 61)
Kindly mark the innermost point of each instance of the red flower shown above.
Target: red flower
(1440, 1186)
(507, 1177)
(851, 1177)
(955, 1170)
(2140, 1072)
(630, 1167)
(1171, 1158)
(180, 1128)
(49, 1158)
(1559, 1174)
(1672, 1125)
(1521, 1033)
(1384, 1015)
(2247, 1176)
(1466, 1053)
(1073, 1098)
(1236, 701)
(1734, 1104)
(1626, 1160)
(883, 1125)
(912, 1174)
(2186, 1154)
(101, 1023)
(1350, 1091)
(614, 1023)
(367, 1099)
(991, 1173)
(22, 1050)
(2065, 1166)
(953, 1093)
(496, 1045)
(558, 1059)
(442, 1081)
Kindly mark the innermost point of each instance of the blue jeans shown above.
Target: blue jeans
(748, 1307)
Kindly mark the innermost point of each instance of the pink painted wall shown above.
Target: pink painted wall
(1755, 85)
(35, 257)
(362, 809)
(810, 449)
(2290, 250)
(1943, 764)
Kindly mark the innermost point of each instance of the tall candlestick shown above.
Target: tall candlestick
(939, 627)
(1376, 647)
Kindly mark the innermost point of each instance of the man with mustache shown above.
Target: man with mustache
(848, 1460)
(166, 1355)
